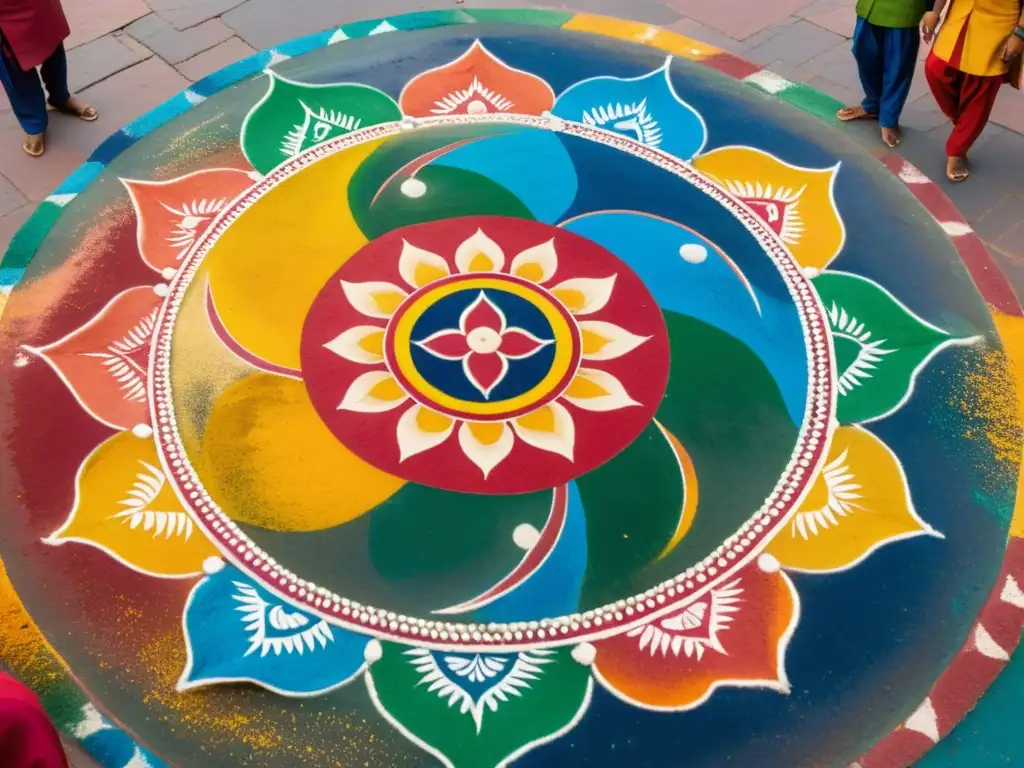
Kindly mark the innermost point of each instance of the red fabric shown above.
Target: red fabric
(965, 99)
(32, 29)
(27, 737)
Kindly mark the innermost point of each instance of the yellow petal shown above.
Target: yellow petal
(268, 460)
(859, 502)
(595, 390)
(360, 344)
(269, 265)
(125, 506)
(797, 203)
(607, 341)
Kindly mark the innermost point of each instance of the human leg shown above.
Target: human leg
(944, 82)
(55, 76)
(900, 49)
(25, 93)
(977, 97)
(867, 53)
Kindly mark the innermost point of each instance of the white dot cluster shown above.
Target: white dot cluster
(734, 553)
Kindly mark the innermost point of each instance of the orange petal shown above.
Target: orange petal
(268, 460)
(173, 215)
(477, 82)
(125, 506)
(733, 635)
(105, 362)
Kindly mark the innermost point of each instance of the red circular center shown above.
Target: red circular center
(507, 363)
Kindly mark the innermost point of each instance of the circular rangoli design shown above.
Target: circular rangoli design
(504, 404)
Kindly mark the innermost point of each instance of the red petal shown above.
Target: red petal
(485, 371)
(772, 211)
(173, 215)
(482, 314)
(105, 362)
(517, 343)
(734, 635)
(476, 82)
(451, 345)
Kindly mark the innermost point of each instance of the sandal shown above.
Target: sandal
(892, 137)
(78, 109)
(34, 145)
(957, 169)
(847, 114)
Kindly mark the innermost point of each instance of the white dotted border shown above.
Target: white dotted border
(731, 555)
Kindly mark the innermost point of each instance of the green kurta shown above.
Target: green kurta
(895, 14)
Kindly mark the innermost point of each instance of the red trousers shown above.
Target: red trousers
(965, 99)
(27, 738)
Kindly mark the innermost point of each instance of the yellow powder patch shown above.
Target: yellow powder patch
(487, 433)
(427, 273)
(574, 300)
(432, 421)
(386, 389)
(641, 33)
(388, 301)
(581, 387)
(541, 420)
(373, 343)
(1011, 333)
(530, 271)
(593, 342)
(481, 262)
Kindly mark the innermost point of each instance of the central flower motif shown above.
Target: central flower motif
(484, 343)
(485, 353)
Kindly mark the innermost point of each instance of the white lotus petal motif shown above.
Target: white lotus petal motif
(374, 298)
(584, 295)
(478, 253)
(606, 341)
(420, 429)
(549, 428)
(486, 455)
(419, 267)
(595, 390)
(373, 392)
(536, 264)
(359, 344)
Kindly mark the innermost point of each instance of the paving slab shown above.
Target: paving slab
(737, 18)
(231, 50)
(90, 19)
(841, 20)
(174, 45)
(71, 141)
(10, 197)
(182, 14)
(100, 58)
(705, 34)
(648, 11)
(795, 44)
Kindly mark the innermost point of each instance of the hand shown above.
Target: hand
(1014, 47)
(928, 24)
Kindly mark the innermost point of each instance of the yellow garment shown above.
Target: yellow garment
(991, 22)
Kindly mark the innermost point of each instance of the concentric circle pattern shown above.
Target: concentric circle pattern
(505, 397)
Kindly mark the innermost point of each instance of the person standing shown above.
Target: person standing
(32, 35)
(885, 46)
(977, 50)
(27, 737)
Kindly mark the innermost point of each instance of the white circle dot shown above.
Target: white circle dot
(693, 253)
(413, 188)
(476, 107)
(142, 430)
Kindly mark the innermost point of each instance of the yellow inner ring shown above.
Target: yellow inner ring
(402, 344)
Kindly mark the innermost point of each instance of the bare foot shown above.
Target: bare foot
(34, 144)
(78, 108)
(892, 137)
(846, 114)
(957, 169)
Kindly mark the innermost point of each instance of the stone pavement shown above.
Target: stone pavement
(127, 56)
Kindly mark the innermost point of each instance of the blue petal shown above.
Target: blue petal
(235, 630)
(548, 189)
(554, 588)
(646, 109)
(707, 287)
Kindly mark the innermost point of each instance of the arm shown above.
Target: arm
(931, 20)
(1015, 43)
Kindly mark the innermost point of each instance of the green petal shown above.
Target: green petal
(880, 345)
(292, 117)
(522, 701)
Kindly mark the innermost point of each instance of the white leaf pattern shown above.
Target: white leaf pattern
(846, 326)
(118, 358)
(258, 616)
(139, 500)
(633, 120)
(694, 630)
(843, 493)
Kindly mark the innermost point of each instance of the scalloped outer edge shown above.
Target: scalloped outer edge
(997, 630)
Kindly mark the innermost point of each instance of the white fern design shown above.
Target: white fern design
(190, 217)
(258, 615)
(117, 358)
(673, 633)
(138, 507)
(843, 493)
(527, 667)
(458, 97)
(631, 119)
(779, 203)
(315, 127)
(846, 326)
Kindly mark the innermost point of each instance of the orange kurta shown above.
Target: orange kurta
(989, 24)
